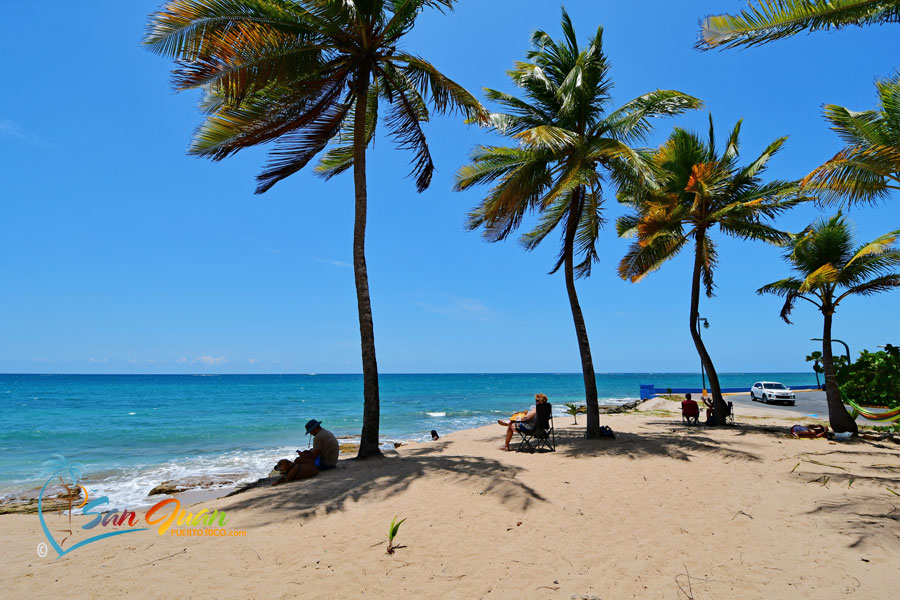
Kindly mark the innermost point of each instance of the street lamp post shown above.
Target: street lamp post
(846, 347)
(702, 367)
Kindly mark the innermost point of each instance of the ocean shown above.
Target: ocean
(132, 432)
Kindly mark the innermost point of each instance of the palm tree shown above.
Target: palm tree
(829, 270)
(816, 359)
(775, 19)
(303, 74)
(868, 167)
(694, 190)
(564, 133)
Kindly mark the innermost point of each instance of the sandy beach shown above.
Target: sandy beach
(662, 511)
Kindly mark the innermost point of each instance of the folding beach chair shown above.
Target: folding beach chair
(543, 435)
(729, 414)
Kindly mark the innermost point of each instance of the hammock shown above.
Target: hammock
(885, 417)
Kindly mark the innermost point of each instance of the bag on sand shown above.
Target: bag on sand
(606, 432)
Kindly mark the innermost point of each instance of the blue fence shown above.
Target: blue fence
(649, 391)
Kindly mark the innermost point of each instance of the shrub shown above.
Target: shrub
(873, 379)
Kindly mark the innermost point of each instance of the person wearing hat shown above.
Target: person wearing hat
(325, 450)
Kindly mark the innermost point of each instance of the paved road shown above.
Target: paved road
(808, 404)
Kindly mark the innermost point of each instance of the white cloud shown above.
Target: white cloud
(333, 263)
(253, 361)
(458, 308)
(11, 130)
(99, 360)
(183, 360)
(212, 360)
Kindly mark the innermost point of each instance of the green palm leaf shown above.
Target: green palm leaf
(868, 167)
(770, 20)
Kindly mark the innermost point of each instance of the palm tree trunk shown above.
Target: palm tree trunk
(584, 345)
(719, 407)
(368, 444)
(838, 417)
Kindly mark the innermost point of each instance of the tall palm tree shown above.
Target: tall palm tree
(816, 359)
(868, 167)
(828, 270)
(303, 74)
(694, 190)
(775, 19)
(565, 135)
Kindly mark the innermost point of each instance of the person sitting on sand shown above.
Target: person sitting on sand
(709, 409)
(524, 423)
(325, 450)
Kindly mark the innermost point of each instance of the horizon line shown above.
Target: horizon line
(394, 373)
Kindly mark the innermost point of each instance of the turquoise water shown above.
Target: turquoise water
(132, 432)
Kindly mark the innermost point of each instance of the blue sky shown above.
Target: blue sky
(120, 254)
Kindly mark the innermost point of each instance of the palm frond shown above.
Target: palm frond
(782, 287)
(404, 14)
(549, 219)
(590, 222)
(640, 260)
(490, 163)
(631, 122)
(789, 289)
(263, 117)
(187, 30)
(294, 150)
(548, 137)
(770, 20)
(339, 157)
(406, 111)
(709, 258)
(878, 246)
(857, 175)
(873, 286)
(753, 230)
(825, 274)
(446, 95)
(626, 225)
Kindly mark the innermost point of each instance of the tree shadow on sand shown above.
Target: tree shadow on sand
(864, 521)
(661, 438)
(379, 478)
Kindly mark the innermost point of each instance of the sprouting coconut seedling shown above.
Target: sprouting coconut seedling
(392, 533)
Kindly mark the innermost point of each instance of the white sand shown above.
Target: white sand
(663, 511)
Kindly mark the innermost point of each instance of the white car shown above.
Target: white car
(772, 391)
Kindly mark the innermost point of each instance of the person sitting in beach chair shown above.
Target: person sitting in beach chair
(542, 435)
(710, 410)
(521, 421)
(690, 411)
